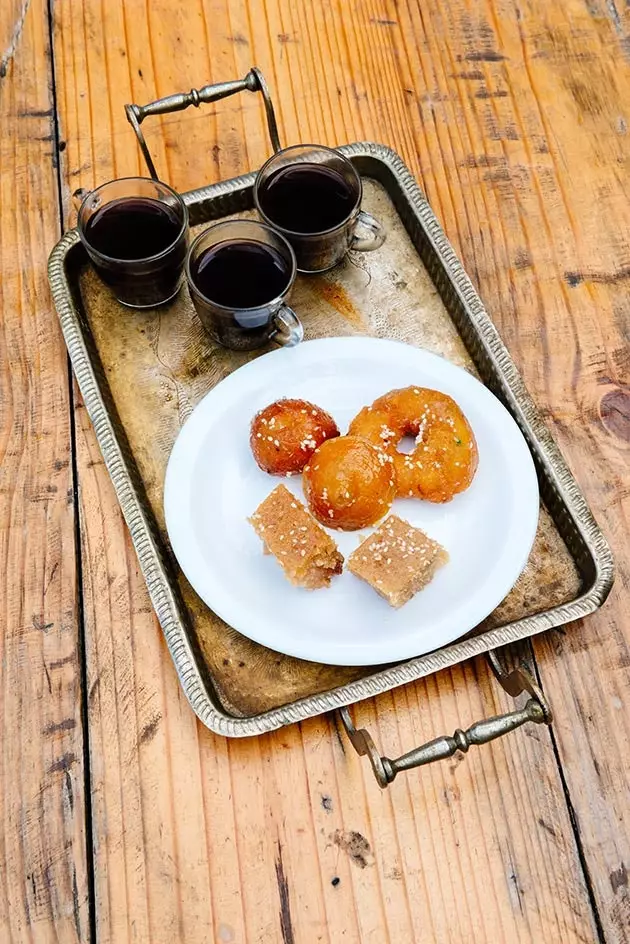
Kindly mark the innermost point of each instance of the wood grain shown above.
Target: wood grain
(513, 117)
(43, 883)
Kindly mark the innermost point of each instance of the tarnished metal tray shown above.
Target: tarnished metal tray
(141, 374)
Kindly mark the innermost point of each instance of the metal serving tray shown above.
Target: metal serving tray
(141, 373)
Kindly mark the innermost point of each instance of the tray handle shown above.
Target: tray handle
(514, 683)
(253, 82)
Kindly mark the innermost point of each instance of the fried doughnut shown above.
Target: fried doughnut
(285, 434)
(349, 483)
(445, 458)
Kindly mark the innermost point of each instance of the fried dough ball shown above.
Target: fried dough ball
(285, 434)
(349, 483)
(445, 458)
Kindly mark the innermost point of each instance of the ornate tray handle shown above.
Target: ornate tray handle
(253, 82)
(514, 683)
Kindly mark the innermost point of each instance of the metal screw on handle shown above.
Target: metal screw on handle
(253, 82)
(515, 683)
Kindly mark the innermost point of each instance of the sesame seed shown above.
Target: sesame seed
(293, 505)
(331, 513)
(303, 553)
(303, 528)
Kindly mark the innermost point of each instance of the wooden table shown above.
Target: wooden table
(122, 819)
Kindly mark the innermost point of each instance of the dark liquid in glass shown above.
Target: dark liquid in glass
(241, 273)
(239, 278)
(307, 198)
(131, 230)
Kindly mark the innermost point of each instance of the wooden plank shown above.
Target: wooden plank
(513, 120)
(43, 876)
(583, 115)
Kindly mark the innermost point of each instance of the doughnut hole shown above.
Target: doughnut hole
(349, 483)
(286, 433)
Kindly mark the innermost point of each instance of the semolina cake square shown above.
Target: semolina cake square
(307, 554)
(397, 560)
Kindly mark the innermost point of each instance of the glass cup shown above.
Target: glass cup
(319, 213)
(240, 274)
(135, 231)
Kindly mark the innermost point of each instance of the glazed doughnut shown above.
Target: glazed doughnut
(349, 483)
(285, 434)
(445, 457)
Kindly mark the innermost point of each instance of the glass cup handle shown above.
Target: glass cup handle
(77, 201)
(288, 330)
(78, 197)
(368, 233)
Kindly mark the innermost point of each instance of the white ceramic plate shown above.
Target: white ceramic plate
(213, 485)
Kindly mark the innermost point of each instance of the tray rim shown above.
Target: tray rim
(146, 542)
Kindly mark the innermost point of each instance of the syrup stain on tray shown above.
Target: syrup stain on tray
(337, 297)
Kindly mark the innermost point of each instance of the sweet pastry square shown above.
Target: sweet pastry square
(398, 560)
(307, 554)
